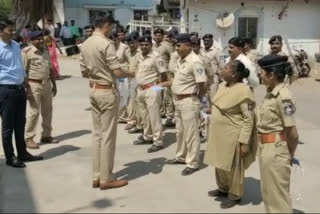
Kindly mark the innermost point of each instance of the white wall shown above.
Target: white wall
(80, 15)
(124, 15)
(300, 26)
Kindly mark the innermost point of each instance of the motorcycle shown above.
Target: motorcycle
(300, 60)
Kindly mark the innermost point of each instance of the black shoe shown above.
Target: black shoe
(188, 171)
(174, 161)
(154, 148)
(227, 203)
(135, 130)
(169, 123)
(30, 158)
(217, 193)
(15, 162)
(142, 141)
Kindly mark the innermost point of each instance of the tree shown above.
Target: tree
(5, 7)
(30, 12)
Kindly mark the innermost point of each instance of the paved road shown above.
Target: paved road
(62, 182)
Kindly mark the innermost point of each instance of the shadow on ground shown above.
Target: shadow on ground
(252, 192)
(169, 139)
(73, 134)
(139, 169)
(298, 211)
(15, 192)
(58, 151)
(100, 204)
(63, 77)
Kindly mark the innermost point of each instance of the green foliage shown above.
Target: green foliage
(5, 8)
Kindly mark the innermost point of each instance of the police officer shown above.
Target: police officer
(276, 44)
(187, 86)
(123, 54)
(194, 35)
(150, 67)
(100, 64)
(164, 49)
(277, 133)
(13, 88)
(212, 53)
(135, 121)
(204, 121)
(36, 61)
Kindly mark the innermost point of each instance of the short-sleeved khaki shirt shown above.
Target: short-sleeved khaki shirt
(123, 53)
(36, 63)
(173, 62)
(207, 65)
(277, 110)
(190, 71)
(213, 55)
(164, 49)
(98, 59)
(149, 68)
(133, 60)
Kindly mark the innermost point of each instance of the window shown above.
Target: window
(140, 15)
(97, 13)
(248, 28)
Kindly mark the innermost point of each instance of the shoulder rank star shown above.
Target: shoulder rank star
(288, 109)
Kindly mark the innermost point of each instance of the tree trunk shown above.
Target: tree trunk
(26, 12)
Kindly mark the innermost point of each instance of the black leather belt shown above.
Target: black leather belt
(15, 87)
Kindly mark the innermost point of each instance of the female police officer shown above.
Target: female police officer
(278, 134)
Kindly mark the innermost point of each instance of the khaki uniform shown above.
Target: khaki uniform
(204, 122)
(149, 69)
(165, 50)
(134, 115)
(276, 112)
(231, 123)
(98, 59)
(123, 54)
(213, 55)
(37, 65)
(190, 72)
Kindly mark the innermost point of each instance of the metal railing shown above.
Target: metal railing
(140, 26)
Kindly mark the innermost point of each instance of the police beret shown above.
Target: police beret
(145, 38)
(272, 61)
(35, 34)
(134, 36)
(194, 34)
(208, 36)
(275, 38)
(196, 41)
(158, 30)
(183, 37)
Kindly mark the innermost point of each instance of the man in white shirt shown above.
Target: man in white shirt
(50, 27)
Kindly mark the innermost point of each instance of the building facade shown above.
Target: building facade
(296, 20)
(84, 12)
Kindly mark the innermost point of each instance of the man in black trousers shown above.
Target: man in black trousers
(13, 97)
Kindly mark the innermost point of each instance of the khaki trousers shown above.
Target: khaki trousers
(232, 182)
(169, 104)
(275, 174)
(134, 115)
(187, 126)
(40, 101)
(104, 110)
(149, 106)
